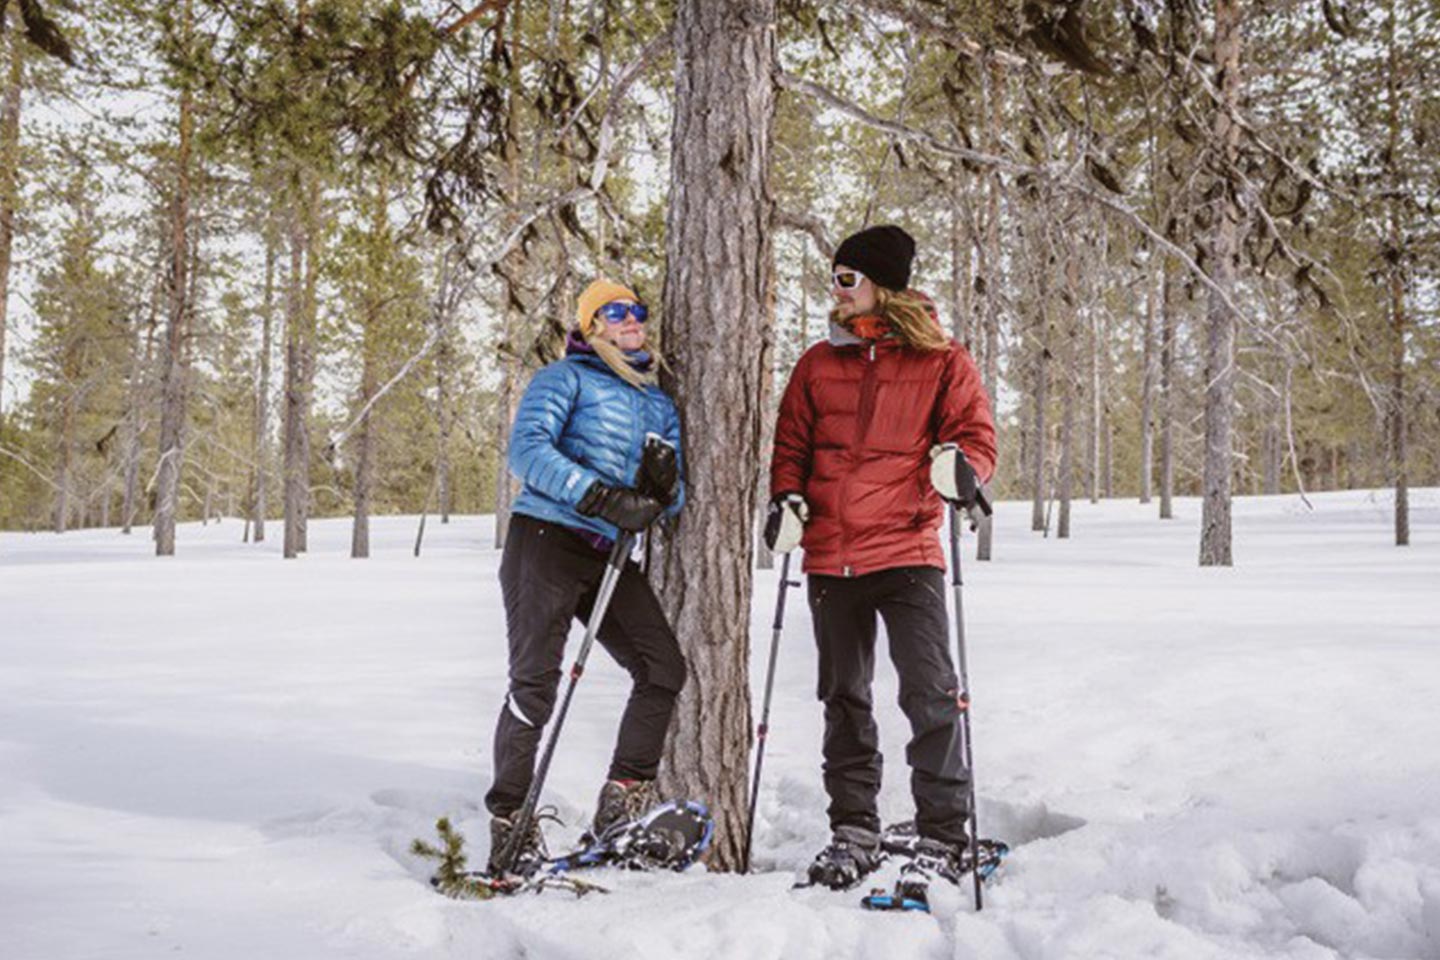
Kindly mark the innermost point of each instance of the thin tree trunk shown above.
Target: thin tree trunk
(960, 284)
(718, 260)
(1396, 288)
(173, 362)
(989, 265)
(1272, 455)
(1096, 402)
(1066, 481)
(296, 466)
(364, 468)
(1147, 394)
(444, 359)
(1040, 398)
(511, 370)
(63, 460)
(1067, 431)
(1168, 321)
(1215, 535)
(9, 164)
(259, 503)
(139, 374)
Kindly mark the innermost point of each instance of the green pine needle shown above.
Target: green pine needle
(450, 878)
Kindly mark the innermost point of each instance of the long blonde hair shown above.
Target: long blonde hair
(910, 316)
(616, 360)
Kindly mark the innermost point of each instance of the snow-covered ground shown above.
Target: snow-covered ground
(224, 755)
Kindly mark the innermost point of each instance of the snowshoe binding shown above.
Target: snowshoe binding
(853, 854)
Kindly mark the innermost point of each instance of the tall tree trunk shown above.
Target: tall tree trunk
(1071, 388)
(443, 360)
(1215, 536)
(1040, 397)
(134, 425)
(63, 460)
(1168, 321)
(989, 265)
(960, 245)
(1096, 403)
(1396, 287)
(511, 369)
(1067, 430)
(1397, 406)
(9, 188)
(1147, 394)
(364, 465)
(296, 465)
(173, 363)
(505, 416)
(1272, 454)
(261, 447)
(718, 259)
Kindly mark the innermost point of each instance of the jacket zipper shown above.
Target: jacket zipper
(863, 415)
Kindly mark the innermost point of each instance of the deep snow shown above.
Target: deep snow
(226, 755)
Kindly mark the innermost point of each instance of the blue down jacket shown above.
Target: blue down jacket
(577, 423)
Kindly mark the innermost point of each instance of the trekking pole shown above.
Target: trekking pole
(613, 566)
(966, 746)
(764, 728)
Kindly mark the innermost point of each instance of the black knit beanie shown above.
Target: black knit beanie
(883, 254)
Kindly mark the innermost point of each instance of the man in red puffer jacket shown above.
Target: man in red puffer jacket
(876, 425)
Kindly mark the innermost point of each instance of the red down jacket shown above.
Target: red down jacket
(853, 437)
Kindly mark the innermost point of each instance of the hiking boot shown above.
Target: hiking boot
(620, 802)
(530, 853)
(929, 860)
(853, 853)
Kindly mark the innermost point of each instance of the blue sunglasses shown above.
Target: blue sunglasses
(617, 312)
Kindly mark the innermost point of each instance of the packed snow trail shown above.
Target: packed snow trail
(227, 755)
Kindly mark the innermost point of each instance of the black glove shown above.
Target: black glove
(952, 476)
(659, 475)
(626, 508)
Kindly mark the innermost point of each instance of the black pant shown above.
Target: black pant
(550, 575)
(912, 601)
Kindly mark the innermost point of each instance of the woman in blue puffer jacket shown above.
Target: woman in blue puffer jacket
(577, 446)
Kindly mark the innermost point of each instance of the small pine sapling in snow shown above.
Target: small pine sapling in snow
(451, 878)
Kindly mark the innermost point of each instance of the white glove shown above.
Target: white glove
(785, 524)
(951, 475)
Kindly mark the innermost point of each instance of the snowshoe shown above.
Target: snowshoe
(670, 837)
(853, 853)
(902, 840)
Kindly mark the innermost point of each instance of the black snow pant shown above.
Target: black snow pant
(912, 601)
(549, 575)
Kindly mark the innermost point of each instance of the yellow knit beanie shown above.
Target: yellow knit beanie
(596, 295)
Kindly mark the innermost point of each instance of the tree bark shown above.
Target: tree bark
(1040, 396)
(1396, 289)
(297, 392)
(1147, 394)
(64, 456)
(1168, 321)
(1071, 387)
(134, 425)
(1215, 536)
(988, 267)
(9, 188)
(174, 368)
(259, 505)
(718, 257)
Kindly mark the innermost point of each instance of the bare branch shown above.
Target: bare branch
(807, 224)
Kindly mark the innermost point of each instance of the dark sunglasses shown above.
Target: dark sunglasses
(847, 279)
(617, 312)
